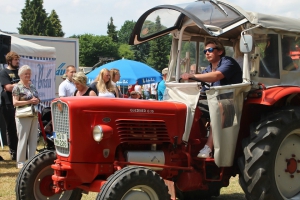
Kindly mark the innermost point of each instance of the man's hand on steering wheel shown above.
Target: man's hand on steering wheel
(187, 76)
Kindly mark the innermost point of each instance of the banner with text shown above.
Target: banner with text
(42, 76)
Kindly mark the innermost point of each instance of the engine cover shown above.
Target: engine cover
(152, 157)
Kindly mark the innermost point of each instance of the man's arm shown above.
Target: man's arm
(5, 81)
(207, 77)
(61, 90)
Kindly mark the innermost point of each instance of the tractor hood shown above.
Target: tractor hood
(213, 18)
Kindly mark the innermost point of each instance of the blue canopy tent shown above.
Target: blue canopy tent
(131, 71)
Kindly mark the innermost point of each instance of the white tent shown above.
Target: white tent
(26, 48)
(41, 59)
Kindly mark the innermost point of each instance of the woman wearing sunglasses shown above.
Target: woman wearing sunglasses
(222, 70)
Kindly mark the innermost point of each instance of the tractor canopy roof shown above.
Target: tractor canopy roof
(215, 18)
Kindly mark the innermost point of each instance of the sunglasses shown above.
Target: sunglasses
(210, 49)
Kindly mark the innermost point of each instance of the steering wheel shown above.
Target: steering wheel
(198, 80)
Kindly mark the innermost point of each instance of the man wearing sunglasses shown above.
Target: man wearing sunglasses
(222, 70)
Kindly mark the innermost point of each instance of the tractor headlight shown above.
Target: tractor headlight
(98, 133)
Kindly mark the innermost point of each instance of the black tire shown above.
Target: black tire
(134, 183)
(34, 172)
(272, 148)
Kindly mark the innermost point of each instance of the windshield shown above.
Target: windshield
(169, 18)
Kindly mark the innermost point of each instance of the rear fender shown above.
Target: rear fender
(273, 95)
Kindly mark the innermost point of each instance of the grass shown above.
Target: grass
(9, 173)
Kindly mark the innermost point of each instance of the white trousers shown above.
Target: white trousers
(27, 131)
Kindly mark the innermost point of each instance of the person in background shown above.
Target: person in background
(138, 88)
(67, 87)
(9, 78)
(130, 89)
(193, 69)
(79, 79)
(222, 70)
(153, 91)
(115, 77)
(25, 94)
(104, 85)
(135, 95)
(146, 90)
(162, 86)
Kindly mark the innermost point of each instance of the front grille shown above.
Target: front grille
(137, 131)
(60, 119)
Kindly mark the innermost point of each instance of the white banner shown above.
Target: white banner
(42, 76)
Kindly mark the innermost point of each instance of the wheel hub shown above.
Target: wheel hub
(291, 166)
(46, 186)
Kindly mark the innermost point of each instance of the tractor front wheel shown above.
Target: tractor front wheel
(270, 168)
(132, 183)
(34, 181)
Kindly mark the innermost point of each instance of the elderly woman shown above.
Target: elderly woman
(79, 79)
(115, 77)
(103, 85)
(25, 94)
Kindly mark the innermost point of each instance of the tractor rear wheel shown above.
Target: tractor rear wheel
(34, 181)
(132, 183)
(270, 167)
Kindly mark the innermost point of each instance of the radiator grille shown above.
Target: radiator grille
(60, 121)
(136, 131)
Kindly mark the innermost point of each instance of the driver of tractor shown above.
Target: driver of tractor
(222, 70)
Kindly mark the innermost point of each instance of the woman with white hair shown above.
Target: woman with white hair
(24, 95)
(80, 79)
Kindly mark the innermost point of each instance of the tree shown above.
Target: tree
(141, 52)
(91, 47)
(111, 30)
(159, 49)
(25, 19)
(35, 20)
(126, 52)
(125, 32)
(56, 25)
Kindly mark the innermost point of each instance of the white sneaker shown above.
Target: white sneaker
(20, 165)
(205, 152)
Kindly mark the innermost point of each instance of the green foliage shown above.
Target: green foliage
(141, 52)
(35, 20)
(25, 19)
(159, 49)
(126, 52)
(91, 47)
(125, 32)
(111, 30)
(54, 19)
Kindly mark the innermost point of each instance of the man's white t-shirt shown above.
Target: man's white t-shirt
(66, 88)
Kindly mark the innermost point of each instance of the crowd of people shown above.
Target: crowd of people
(105, 85)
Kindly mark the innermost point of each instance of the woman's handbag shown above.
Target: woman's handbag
(27, 111)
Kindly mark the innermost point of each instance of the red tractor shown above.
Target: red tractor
(129, 149)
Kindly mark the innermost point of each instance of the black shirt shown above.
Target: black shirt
(87, 93)
(8, 76)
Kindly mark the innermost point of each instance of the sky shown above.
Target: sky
(92, 16)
